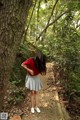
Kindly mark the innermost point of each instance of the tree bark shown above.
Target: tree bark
(13, 14)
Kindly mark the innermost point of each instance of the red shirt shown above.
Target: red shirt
(31, 65)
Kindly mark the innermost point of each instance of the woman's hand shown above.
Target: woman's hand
(31, 72)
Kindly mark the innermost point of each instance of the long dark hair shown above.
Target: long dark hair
(40, 62)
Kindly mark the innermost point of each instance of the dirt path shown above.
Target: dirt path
(50, 106)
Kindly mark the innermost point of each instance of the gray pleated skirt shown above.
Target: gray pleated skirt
(33, 82)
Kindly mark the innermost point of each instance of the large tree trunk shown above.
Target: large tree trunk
(13, 14)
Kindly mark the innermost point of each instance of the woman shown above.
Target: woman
(34, 67)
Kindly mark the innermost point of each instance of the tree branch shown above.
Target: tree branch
(52, 23)
(25, 32)
(31, 16)
(38, 10)
(38, 13)
(50, 15)
(78, 26)
(52, 12)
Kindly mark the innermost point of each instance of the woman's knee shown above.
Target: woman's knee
(35, 92)
(32, 92)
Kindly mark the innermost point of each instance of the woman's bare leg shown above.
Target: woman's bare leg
(36, 102)
(35, 98)
(32, 99)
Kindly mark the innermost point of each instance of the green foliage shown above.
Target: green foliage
(16, 95)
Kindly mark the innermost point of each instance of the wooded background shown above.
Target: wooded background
(52, 27)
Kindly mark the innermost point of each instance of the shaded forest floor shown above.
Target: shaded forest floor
(49, 102)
